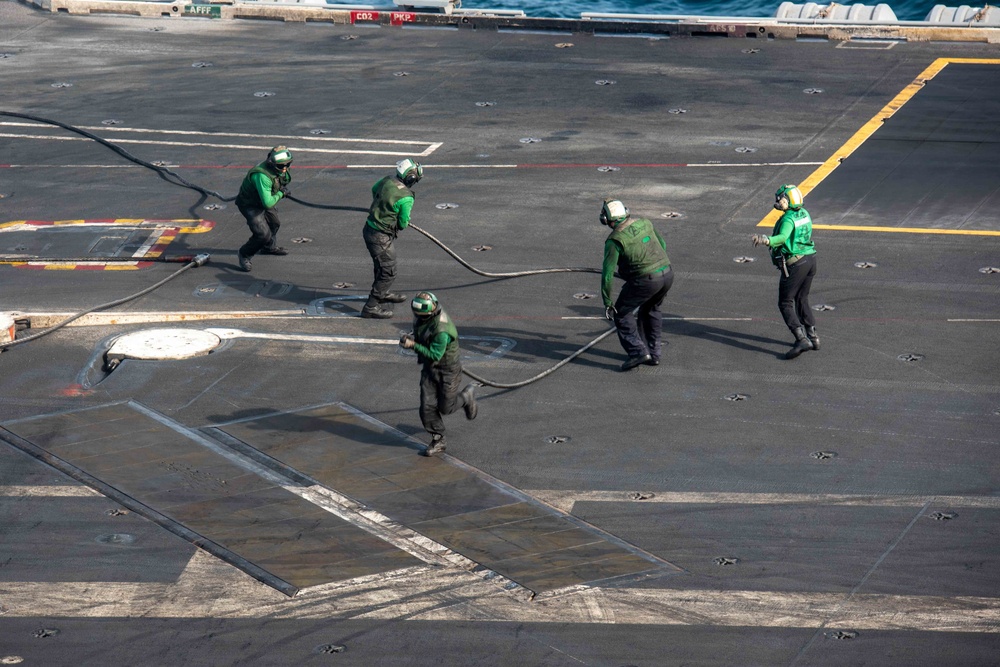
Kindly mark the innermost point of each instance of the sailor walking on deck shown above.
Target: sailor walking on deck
(793, 253)
(262, 188)
(639, 252)
(392, 202)
(435, 340)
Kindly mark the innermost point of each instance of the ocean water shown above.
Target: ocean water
(905, 10)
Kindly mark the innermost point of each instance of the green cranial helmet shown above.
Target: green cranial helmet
(791, 195)
(613, 212)
(424, 304)
(279, 156)
(409, 171)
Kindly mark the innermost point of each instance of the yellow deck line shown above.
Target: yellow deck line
(863, 134)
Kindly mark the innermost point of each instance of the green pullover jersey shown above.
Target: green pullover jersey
(392, 202)
(436, 340)
(636, 249)
(260, 187)
(793, 234)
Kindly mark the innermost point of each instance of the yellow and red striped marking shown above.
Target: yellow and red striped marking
(866, 131)
(163, 231)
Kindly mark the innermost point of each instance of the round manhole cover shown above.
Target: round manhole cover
(154, 344)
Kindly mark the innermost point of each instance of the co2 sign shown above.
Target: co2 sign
(363, 16)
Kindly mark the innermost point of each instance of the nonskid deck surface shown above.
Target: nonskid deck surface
(834, 509)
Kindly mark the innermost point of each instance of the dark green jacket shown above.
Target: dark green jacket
(392, 202)
(792, 234)
(636, 249)
(260, 187)
(436, 340)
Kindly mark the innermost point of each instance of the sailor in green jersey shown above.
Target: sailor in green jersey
(435, 340)
(392, 201)
(639, 253)
(793, 252)
(263, 187)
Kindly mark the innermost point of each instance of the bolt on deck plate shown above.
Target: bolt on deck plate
(557, 439)
(910, 357)
(823, 456)
(841, 634)
(824, 306)
(445, 206)
(607, 169)
(482, 248)
(942, 516)
(865, 265)
(726, 560)
(737, 397)
(604, 82)
(263, 93)
(743, 259)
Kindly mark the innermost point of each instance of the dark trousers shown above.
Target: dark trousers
(639, 333)
(263, 224)
(793, 293)
(383, 254)
(439, 395)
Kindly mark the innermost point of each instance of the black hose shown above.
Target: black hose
(522, 383)
(197, 261)
(163, 171)
(512, 274)
(167, 174)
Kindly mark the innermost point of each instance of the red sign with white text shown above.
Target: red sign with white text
(399, 18)
(363, 16)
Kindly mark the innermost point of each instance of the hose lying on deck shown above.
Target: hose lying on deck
(177, 179)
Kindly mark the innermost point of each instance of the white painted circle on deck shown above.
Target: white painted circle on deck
(165, 344)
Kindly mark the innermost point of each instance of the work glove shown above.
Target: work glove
(610, 312)
(406, 341)
(760, 239)
(285, 191)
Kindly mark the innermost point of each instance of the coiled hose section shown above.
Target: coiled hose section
(176, 179)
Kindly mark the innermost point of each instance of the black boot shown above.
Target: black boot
(437, 445)
(801, 343)
(469, 396)
(394, 297)
(374, 310)
(813, 337)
